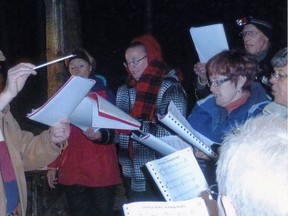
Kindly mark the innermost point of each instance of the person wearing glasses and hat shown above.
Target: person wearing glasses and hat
(256, 35)
(151, 85)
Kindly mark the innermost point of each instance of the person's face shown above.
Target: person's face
(223, 90)
(254, 40)
(136, 61)
(80, 67)
(279, 85)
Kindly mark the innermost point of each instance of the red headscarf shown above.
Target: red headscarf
(147, 87)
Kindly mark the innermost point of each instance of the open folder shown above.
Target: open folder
(71, 101)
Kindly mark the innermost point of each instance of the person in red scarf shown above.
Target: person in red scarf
(149, 88)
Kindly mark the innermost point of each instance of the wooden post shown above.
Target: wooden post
(60, 38)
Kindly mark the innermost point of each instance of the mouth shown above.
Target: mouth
(248, 45)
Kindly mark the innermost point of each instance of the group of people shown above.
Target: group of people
(90, 164)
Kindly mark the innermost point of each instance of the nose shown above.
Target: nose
(273, 80)
(212, 88)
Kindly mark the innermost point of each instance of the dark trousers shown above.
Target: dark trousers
(90, 201)
(151, 193)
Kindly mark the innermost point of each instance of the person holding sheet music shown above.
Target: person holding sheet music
(20, 150)
(235, 98)
(88, 168)
(256, 35)
(148, 90)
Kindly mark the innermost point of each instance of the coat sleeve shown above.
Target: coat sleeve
(35, 151)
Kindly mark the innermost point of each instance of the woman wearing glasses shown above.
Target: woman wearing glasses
(148, 90)
(234, 99)
(256, 35)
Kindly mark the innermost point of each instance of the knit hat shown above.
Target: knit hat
(262, 25)
(81, 54)
(2, 57)
(152, 47)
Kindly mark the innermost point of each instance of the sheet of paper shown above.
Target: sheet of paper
(155, 143)
(178, 175)
(82, 115)
(107, 115)
(180, 208)
(164, 145)
(87, 114)
(178, 123)
(175, 142)
(63, 102)
(209, 40)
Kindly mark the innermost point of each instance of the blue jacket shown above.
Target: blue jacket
(213, 121)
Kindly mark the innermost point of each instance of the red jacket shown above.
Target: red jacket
(87, 163)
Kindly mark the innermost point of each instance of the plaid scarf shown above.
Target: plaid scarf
(147, 89)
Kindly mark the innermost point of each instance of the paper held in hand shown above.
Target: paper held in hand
(178, 176)
(164, 145)
(63, 102)
(97, 112)
(190, 207)
(209, 40)
(71, 102)
(178, 123)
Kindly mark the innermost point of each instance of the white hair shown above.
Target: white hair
(252, 169)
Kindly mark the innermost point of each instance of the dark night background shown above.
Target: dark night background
(109, 25)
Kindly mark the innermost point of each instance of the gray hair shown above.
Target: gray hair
(280, 58)
(252, 167)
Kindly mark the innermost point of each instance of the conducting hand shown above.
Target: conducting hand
(17, 77)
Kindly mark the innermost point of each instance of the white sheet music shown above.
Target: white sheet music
(209, 40)
(191, 207)
(164, 145)
(100, 113)
(83, 111)
(178, 175)
(176, 121)
(63, 102)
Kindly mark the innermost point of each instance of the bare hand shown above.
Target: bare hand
(51, 178)
(200, 154)
(16, 78)
(91, 134)
(200, 70)
(60, 132)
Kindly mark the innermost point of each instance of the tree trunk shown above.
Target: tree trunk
(62, 34)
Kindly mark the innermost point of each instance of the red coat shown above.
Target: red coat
(87, 163)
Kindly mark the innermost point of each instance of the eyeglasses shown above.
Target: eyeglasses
(217, 83)
(133, 62)
(213, 192)
(279, 76)
(249, 33)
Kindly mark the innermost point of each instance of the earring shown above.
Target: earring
(239, 90)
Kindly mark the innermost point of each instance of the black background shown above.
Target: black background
(109, 25)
